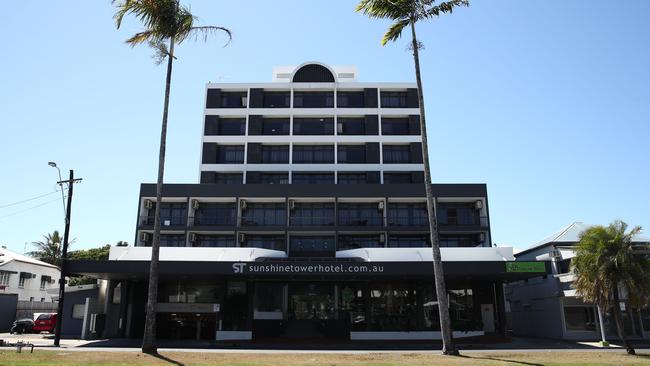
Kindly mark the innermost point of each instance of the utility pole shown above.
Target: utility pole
(64, 254)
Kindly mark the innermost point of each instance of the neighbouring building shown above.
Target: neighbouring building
(549, 307)
(309, 221)
(27, 277)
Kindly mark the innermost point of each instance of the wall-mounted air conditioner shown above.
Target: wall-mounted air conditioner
(193, 237)
(380, 206)
(339, 127)
(382, 238)
(241, 237)
(195, 204)
(478, 205)
(481, 237)
(144, 237)
(148, 204)
(292, 205)
(242, 205)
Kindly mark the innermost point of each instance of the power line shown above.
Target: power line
(29, 199)
(30, 208)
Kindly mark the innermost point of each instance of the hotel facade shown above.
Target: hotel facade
(309, 222)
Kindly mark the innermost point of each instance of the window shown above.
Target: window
(324, 99)
(4, 278)
(459, 241)
(352, 178)
(230, 154)
(395, 126)
(359, 241)
(171, 213)
(312, 214)
(214, 241)
(275, 126)
(194, 291)
(234, 99)
(264, 214)
(274, 178)
(78, 311)
(273, 242)
(360, 214)
(45, 280)
(229, 178)
(231, 126)
(393, 99)
(312, 178)
(352, 154)
(458, 214)
(215, 213)
(313, 154)
(409, 241)
(403, 177)
(275, 154)
(397, 154)
(350, 99)
(31, 298)
(408, 214)
(461, 309)
(351, 126)
(171, 240)
(312, 246)
(23, 278)
(313, 126)
(393, 307)
(579, 318)
(269, 297)
(276, 99)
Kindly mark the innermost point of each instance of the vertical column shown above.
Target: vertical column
(501, 308)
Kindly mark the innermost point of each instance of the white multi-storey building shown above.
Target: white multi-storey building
(26, 276)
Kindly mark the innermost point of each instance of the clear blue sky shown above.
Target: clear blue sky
(548, 102)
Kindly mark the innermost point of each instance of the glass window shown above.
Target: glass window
(350, 99)
(313, 154)
(275, 154)
(393, 99)
(352, 306)
(459, 240)
(21, 281)
(264, 214)
(352, 154)
(171, 213)
(461, 310)
(276, 99)
(229, 178)
(352, 178)
(397, 154)
(4, 278)
(351, 126)
(395, 126)
(393, 307)
(234, 99)
(275, 126)
(44, 281)
(172, 240)
(312, 246)
(269, 297)
(313, 126)
(401, 178)
(274, 242)
(409, 241)
(215, 241)
(324, 99)
(274, 178)
(408, 214)
(231, 126)
(215, 213)
(359, 241)
(312, 178)
(312, 214)
(580, 318)
(230, 154)
(458, 214)
(194, 291)
(360, 214)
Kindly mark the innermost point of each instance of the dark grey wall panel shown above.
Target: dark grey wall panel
(213, 99)
(370, 97)
(254, 125)
(372, 153)
(416, 153)
(8, 304)
(252, 177)
(414, 125)
(208, 177)
(211, 126)
(372, 178)
(372, 124)
(256, 98)
(412, 98)
(417, 177)
(254, 153)
(209, 153)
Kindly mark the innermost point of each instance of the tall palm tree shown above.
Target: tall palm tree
(608, 262)
(406, 13)
(165, 22)
(49, 249)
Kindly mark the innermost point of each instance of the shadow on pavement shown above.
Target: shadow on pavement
(167, 359)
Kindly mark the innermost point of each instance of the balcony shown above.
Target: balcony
(481, 221)
(312, 220)
(205, 220)
(165, 221)
(408, 221)
(361, 221)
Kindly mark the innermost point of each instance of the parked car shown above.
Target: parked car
(21, 326)
(45, 323)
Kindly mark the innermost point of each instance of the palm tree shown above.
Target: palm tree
(608, 262)
(405, 13)
(165, 22)
(48, 250)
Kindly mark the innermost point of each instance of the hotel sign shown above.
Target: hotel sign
(525, 267)
(351, 268)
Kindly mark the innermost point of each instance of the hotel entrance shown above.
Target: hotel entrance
(311, 310)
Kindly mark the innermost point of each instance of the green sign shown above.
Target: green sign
(526, 267)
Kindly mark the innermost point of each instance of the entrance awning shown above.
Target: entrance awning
(334, 269)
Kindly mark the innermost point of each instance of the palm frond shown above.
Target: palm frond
(387, 9)
(395, 31)
(443, 7)
(140, 37)
(205, 31)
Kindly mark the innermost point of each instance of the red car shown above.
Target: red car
(45, 323)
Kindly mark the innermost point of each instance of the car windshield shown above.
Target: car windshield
(44, 317)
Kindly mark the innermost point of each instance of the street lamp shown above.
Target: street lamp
(53, 165)
(64, 249)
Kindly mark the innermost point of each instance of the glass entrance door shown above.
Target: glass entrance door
(311, 311)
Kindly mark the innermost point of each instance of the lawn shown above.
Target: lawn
(62, 357)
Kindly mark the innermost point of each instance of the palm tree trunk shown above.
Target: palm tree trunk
(149, 338)
(618, 318)
(439, 277)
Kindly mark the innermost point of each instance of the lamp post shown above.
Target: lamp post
(64, 250)
(53, 165)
